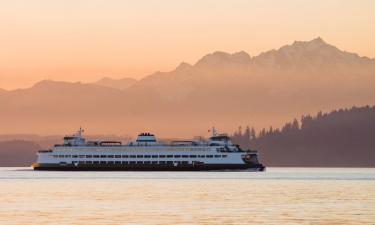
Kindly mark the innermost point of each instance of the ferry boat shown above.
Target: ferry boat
(147, 154)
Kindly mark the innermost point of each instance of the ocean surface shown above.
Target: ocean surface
(278, 196)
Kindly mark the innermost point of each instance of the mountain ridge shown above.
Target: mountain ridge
(221, 57)
(220, 88)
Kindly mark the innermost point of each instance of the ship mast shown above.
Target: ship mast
(80, 131)
(214, 132)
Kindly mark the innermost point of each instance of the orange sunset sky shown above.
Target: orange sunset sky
(85, 40)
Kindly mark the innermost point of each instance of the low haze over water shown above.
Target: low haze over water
(278, 196)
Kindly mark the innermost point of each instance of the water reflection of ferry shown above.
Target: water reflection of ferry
(147, 154)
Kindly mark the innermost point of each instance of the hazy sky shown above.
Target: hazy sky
(89, 39)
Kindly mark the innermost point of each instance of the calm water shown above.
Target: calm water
(278, 196)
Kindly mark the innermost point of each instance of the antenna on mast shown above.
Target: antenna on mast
(214, 132)
(80, 131)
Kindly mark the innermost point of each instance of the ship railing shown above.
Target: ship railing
(119, 144)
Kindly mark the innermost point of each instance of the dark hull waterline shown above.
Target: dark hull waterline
(142, 167)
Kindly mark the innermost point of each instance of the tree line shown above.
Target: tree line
(340, 137)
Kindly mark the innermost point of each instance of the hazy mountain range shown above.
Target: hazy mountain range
(17, 153)
(220, 89)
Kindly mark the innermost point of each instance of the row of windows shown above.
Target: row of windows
(140, 156)
(131, 162)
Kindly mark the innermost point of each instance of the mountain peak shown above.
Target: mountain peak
(241, 56)
(317, 40)
(312, 54)
(183, 66)
(47, 82)
(310, 45)
(219, 57)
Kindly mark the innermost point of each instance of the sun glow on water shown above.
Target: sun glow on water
(278, 196)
